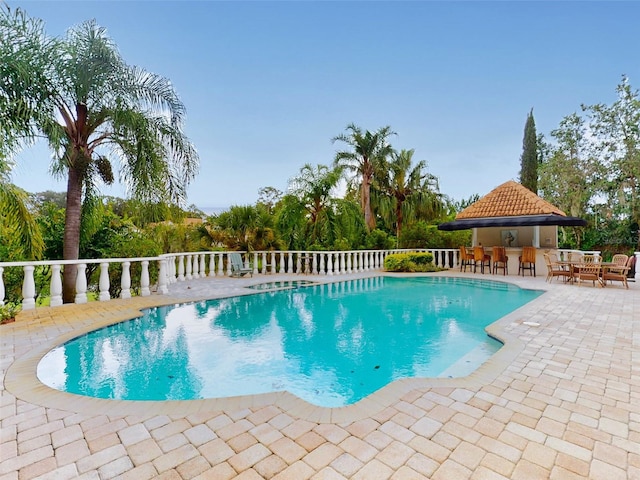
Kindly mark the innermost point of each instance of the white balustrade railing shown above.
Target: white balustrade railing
(186, 266)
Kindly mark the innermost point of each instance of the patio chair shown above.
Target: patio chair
(588, 271)
(466, 258)
(482, 258)
(554, 269)
(500, 260)
(620, 260)
(576, 257)
(237, 266)
(527, 261)
(618, 273)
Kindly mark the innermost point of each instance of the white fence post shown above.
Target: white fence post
(55, 287)
(1, 287)
(144, 279)
(212, 265)
(181, 268)
(125, 281)
(81, 283)
(103, 283)
(162, 277)
(195, 267)
(28, 289)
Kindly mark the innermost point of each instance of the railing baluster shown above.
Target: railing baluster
(203, 266)
(172, 269)
(162, 277)
(220, 265)
(125, 281)
(144, 279)
(1, 287)
(55, 287)
(81, 283)
(290, 263)
(103, 283)
(212, 265)
(181, 268)
(28, 288)
(188, 266)
(195, 267)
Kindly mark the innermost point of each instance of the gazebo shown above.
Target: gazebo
(513, 216)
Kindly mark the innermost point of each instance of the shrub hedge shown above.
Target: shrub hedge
(410, 262)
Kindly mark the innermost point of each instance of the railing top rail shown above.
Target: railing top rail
(224, 252)
(78, 261)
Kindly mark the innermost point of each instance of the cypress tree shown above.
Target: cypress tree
(529, 158)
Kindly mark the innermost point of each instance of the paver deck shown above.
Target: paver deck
(561, 400)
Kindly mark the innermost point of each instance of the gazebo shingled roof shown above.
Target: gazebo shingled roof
(509, 200)
(510, 205)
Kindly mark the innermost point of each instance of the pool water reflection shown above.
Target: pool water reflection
(329, 344)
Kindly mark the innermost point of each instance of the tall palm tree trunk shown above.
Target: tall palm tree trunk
(71, 245)
(365, 198)
(399, 218)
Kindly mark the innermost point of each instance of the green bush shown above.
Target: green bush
(379, 240)
(8, 312)
(410, 262)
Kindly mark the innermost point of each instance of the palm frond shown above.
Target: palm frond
(15, 215)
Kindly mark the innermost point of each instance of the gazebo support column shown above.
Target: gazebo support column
(536, 236)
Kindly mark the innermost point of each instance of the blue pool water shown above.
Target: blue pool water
(330, 344)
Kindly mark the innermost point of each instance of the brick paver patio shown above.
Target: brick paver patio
(561, 400)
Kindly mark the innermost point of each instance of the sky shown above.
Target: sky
(268, 85)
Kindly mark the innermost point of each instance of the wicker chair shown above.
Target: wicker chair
(555, 270)
(466, 258)
(500, 260)
(618, 273)
(527, 261)
(479, 257)
(589, 271)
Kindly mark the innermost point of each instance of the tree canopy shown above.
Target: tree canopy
(529, 159)
(93, 109)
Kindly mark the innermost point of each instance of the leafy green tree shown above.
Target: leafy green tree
(348, 227)
(59, 199)
(269, 197)
(366, 151)
(246, 227)
(291, 222)
(530, 158)
(93, 107)
(568, 177)
(615, 133)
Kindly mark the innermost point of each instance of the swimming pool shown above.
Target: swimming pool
(330, 344)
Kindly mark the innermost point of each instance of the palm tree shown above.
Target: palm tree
(404, 192)
(368, 150)
(22, 42)
(93, 108)
(313, 187)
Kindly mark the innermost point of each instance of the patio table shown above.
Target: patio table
(572, 265)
